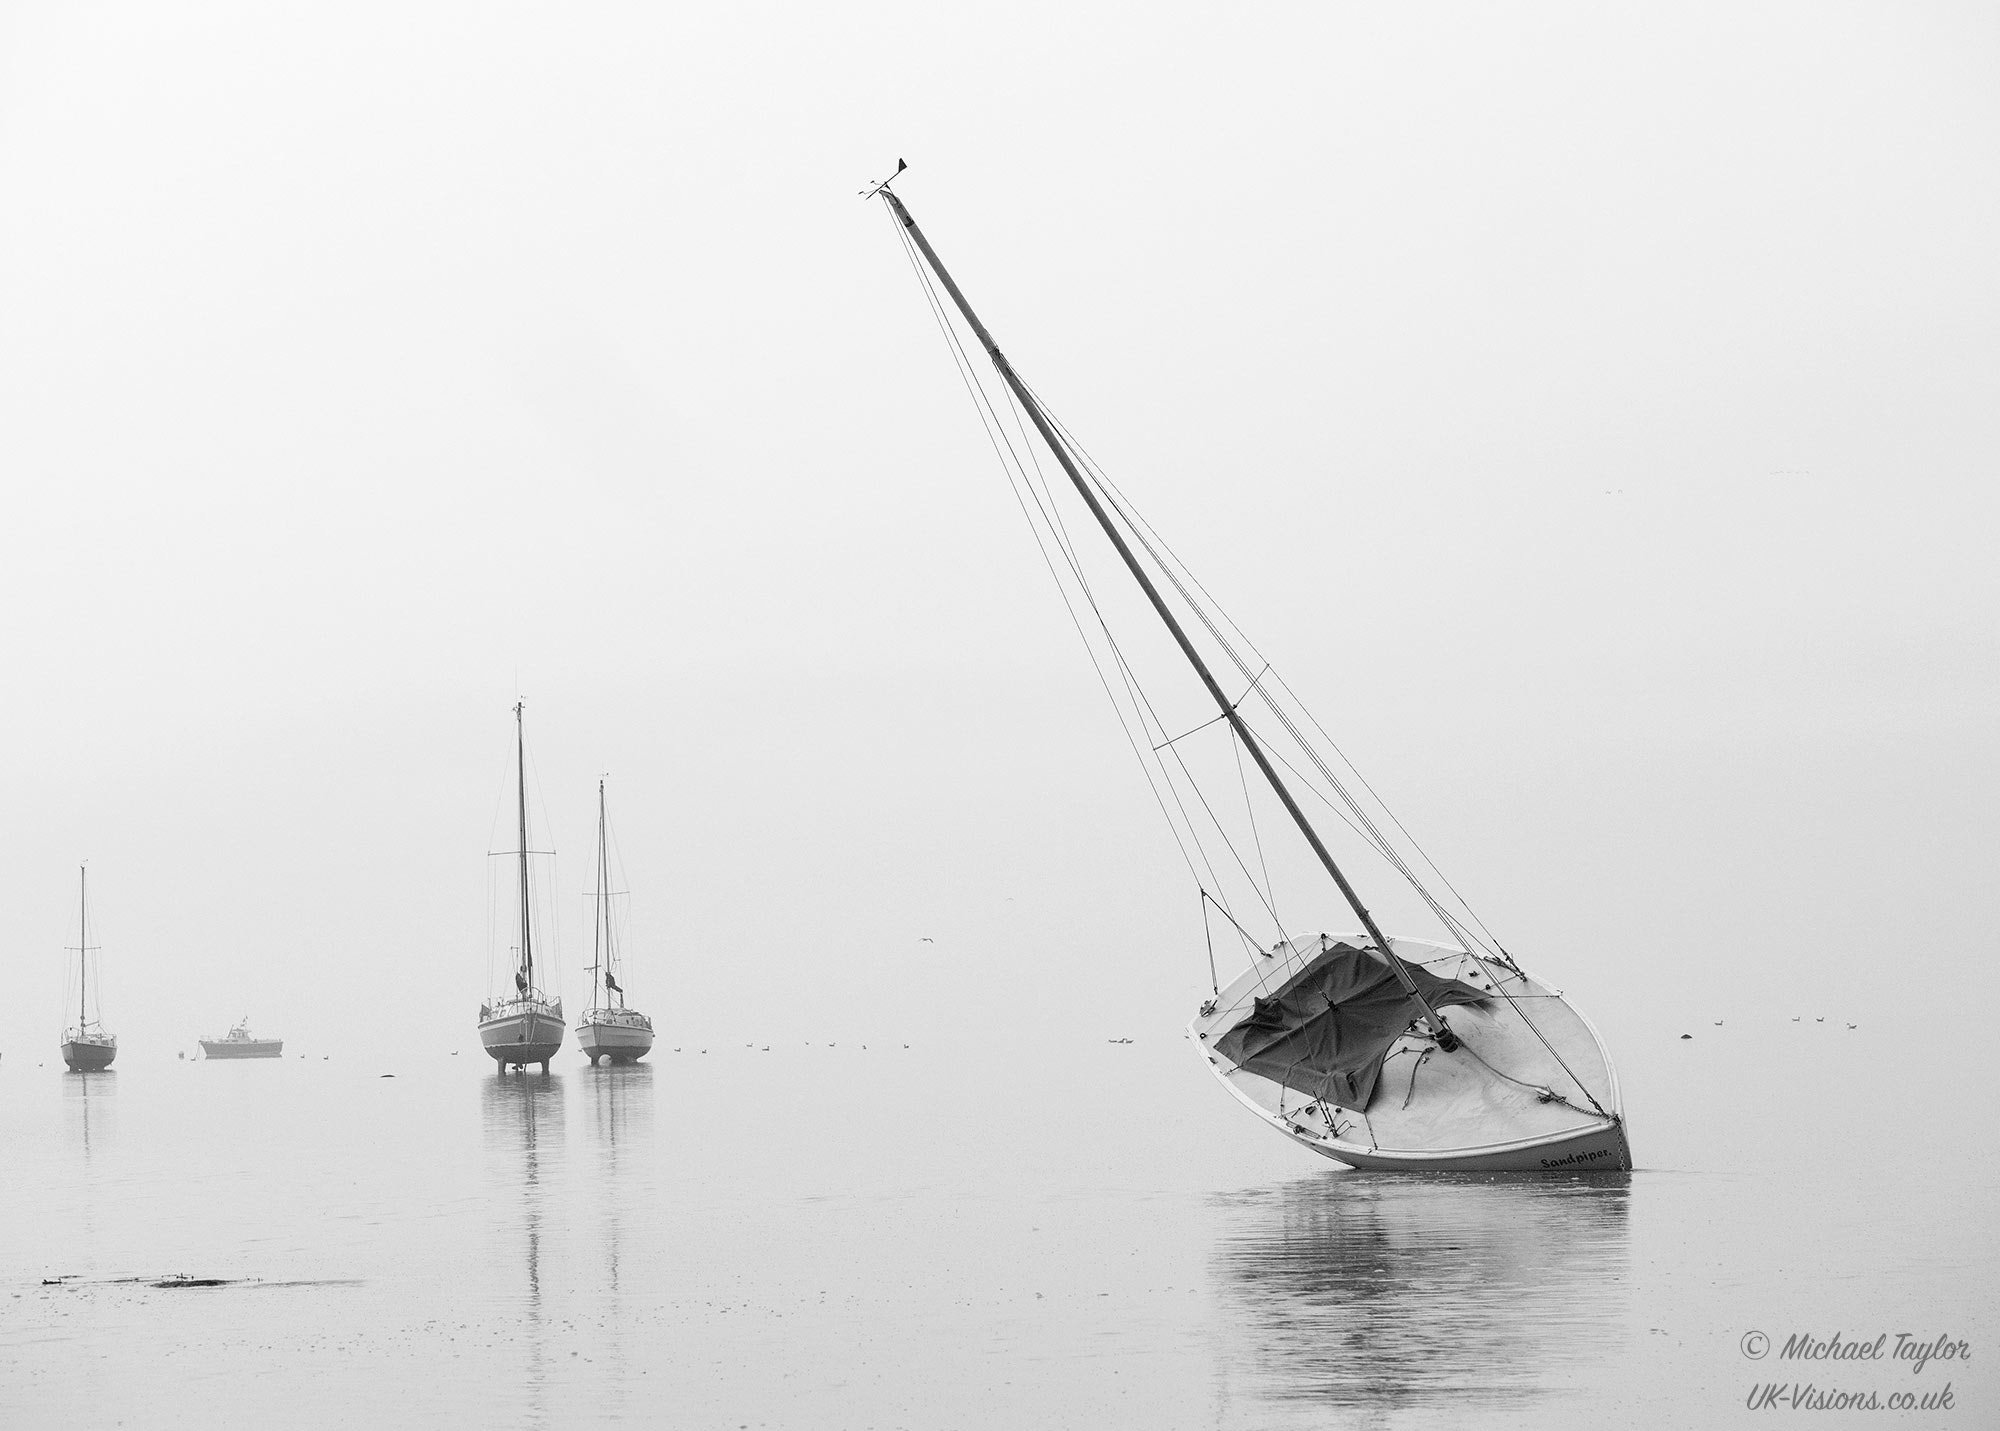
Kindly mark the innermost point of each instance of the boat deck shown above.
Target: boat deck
(1491, 1093)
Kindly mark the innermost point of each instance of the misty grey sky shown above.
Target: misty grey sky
(1592, 410)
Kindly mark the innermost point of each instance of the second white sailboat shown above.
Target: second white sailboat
(608, 1028)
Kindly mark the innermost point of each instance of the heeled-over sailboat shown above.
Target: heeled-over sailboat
(527, 1028)
(608, 1029)
(1340, 1042)
(86, 1047)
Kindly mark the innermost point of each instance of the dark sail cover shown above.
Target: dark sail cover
(1326, 1032)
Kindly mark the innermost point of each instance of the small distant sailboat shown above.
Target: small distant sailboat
(607, 1029)
(86, 1047)
(239, 1042)
(527, 1028)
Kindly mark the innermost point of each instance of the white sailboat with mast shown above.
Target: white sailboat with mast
(1338, 1041)
(86, 1047)
(608, 1029)
(527, 1028)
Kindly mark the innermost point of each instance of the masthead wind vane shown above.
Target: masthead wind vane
(879, 185)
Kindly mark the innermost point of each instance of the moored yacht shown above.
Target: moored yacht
(86, 1047)
(608, 1028)
(528, 1027)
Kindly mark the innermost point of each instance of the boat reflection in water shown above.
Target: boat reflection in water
(1397, 1292)
(621, 1102)
(89, 1106)
(93, 1086)
(523, 1126)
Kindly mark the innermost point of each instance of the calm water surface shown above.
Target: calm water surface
(1086, 1235)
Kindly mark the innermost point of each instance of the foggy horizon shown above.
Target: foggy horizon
(1585, 413)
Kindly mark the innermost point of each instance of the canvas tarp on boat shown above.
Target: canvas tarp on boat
(1327, 1030)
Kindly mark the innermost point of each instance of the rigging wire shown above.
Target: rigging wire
(1213, 617)
(1247, 935)
(1305, 779)
(1208, 938)
(1250, 810)
(1143, 703)
(1140, 703)
(1542, 1090)
(1004, 451)
(1175, 570)
(1135, 689)
(547, 931)
(1401, 829)
(1357, 817)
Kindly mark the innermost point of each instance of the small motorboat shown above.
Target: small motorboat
(239, 1042)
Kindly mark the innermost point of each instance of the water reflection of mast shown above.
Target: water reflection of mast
(521, 1116)
(622, 1097)
(1381, 1293)
(78, 1092)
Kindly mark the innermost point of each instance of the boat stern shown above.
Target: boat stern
(623, 1038)
(518, 1034)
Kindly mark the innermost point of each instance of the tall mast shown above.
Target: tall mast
(1439, 1029)
(83, 945)
(600, 946)
(521, 784)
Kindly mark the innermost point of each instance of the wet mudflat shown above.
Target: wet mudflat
(1077, 1235)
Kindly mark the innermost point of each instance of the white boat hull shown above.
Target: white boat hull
(1602, 1149)
(87, 1055)
(619, 1035)
(1448, 1112)
(521, 1032)
(243, 1048)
